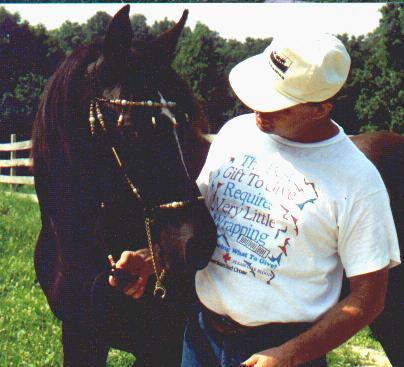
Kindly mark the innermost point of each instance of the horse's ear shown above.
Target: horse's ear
(119, 36)
(168, 40)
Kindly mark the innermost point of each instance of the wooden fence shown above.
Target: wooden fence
(13, 162)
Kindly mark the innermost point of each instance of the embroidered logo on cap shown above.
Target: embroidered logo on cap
(281, 63)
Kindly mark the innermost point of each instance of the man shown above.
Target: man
(295, 204)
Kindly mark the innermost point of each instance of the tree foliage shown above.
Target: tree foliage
(69, 36)
(139, 24)
(197, 62)
(372, 99)
(28, 55)
(380, 102)
(20, 105)
(96, 26)
(161, 26)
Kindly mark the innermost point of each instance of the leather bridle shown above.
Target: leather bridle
(96, 121)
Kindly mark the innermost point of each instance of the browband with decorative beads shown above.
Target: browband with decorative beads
(126, 103)
(94, 104)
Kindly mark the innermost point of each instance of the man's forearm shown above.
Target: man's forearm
(358, 309)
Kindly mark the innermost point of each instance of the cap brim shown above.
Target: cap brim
(254, 81)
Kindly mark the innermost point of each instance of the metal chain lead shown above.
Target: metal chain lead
(158, 287)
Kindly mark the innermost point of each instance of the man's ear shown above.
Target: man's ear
(322, 110)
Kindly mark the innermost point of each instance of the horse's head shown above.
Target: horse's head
(119, 117)
(133, 91)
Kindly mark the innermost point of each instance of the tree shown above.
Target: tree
(391, 32)
(96, 26)
(372, 98)
(381, 99)
(70, 35)
(197, 62)
(17, 49)
(231, 53)
(344, 103)
(28, 55)
(140, 27)
(4, 14)
(161, 26)
(19, 106)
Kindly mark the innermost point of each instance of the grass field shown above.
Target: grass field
(30, 334)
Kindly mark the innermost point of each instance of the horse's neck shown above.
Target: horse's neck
(197, 148)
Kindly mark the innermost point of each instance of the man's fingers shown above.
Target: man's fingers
(250, 361)
(139, 292)
(132, 259)
(125, 258)
(112, 281)
(133, 288)
(134, 263)
(140, 288)
(130, 292)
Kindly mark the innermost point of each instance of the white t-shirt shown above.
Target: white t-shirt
(290, 217)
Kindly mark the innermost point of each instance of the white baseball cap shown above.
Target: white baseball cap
(292, 70)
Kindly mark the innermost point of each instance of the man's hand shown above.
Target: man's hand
(139, 264)
(274, 357)
(363, 304)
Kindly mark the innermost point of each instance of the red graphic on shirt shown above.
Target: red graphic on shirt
(283, 247)
(226, 257)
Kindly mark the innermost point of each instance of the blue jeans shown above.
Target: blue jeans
(204, 347)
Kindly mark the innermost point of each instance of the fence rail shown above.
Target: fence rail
(12, 179)
(18, 162)
(14, 146)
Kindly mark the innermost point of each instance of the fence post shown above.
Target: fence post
(13, 155)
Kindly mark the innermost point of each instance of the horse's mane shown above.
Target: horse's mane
(50, 132)
(60, 105)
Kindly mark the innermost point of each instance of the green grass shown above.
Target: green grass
(25, 189)
(30, 334)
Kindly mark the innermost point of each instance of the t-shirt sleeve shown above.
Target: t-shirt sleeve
(203, 179)
(216, 151)
(367, 237)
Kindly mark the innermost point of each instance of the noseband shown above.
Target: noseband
(95, 115)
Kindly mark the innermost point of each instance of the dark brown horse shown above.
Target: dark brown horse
(386, 151)
(114, 142)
